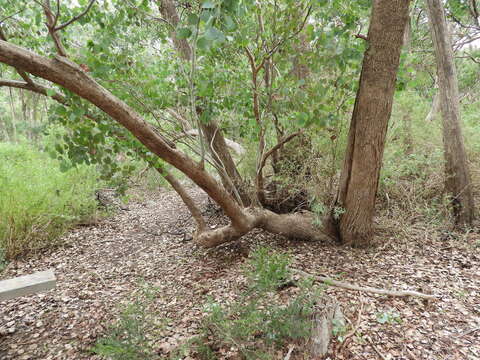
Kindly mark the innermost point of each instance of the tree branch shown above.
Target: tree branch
(83, 13)
(353, 287)
(65, 73)
(259, 177)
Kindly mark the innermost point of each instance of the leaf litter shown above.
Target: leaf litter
(106, 264)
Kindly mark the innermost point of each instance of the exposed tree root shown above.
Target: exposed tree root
(297, 226)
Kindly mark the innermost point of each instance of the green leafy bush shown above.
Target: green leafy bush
(127, 338)
(260, 321)
(38, 201)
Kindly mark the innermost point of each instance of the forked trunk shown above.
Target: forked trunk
(352, 216)
(457, 177)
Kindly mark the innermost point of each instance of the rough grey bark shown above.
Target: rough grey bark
(457, 177)
(352, 217)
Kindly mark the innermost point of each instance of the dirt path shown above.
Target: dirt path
(104, 265)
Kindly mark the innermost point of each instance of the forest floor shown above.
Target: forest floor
(104, 265)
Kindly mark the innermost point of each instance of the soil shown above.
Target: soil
(105, 265)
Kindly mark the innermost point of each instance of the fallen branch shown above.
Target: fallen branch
(375, 348)
(355, 328)
(348, 286)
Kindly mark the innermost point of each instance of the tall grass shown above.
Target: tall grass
(38, 202)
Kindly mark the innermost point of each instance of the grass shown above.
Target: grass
(38, 201)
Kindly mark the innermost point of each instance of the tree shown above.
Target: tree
(352, 216)
(457, 177)
(83, 77)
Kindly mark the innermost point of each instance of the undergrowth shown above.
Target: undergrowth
(254, 326)
(128, 338)
(260, 321)
(38, 201)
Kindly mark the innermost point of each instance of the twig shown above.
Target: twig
(376, 349)
(360, 36)
(287, 357)
(75, 18)
(277, 146)
(469, 331)
(357, 325)
(348, 286)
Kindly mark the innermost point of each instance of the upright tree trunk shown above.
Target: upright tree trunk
(457, 178)
(352, 216)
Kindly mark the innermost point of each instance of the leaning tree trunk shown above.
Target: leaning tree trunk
(352, 216)
(457, 178)
(231, 178)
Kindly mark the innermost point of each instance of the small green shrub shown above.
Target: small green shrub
(38, 202)
(259, 321)
(127, 338)
(390, 317)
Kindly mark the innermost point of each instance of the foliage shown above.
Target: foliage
(127, 338)
(258, 322)
(390, 317)
(38, 201)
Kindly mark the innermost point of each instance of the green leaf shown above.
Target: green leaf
(229, 23)
(184, 33)
(214, 34)
(51, 92)
(203, 43)
(192, 19)
(208, 5)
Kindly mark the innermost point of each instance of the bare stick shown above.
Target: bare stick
(376, 349)
(355, 328)
(348, 286)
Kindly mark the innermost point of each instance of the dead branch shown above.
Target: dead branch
(348, 286)
(187, 199)
(355, 328)
(375, 348)
(360, 36)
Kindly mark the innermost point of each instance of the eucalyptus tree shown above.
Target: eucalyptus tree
(353, 214)
(457, 176)
(121, 88)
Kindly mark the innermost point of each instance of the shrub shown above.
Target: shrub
(260, 321)
(38, 201)
(127, 338)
